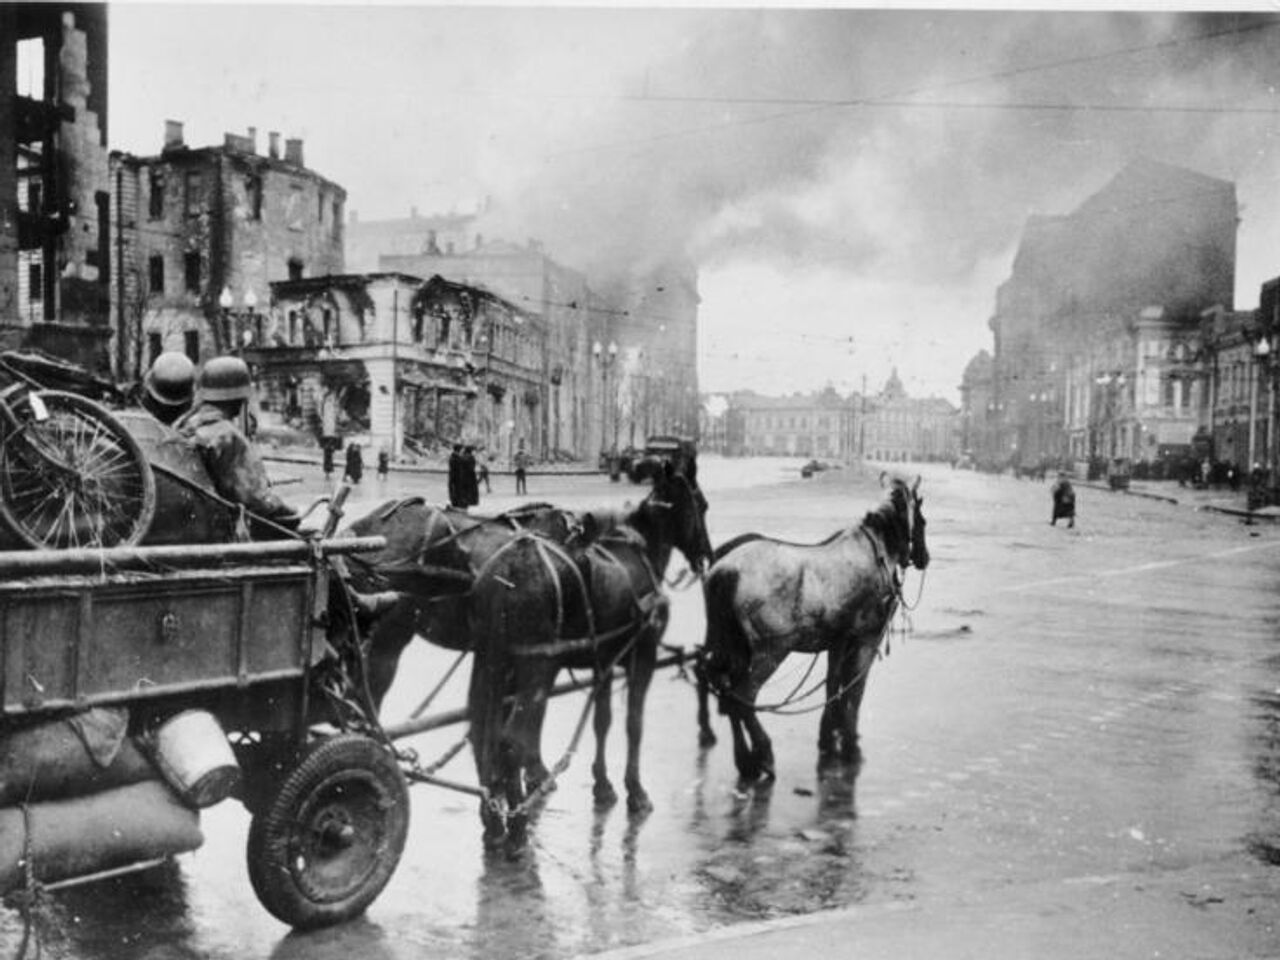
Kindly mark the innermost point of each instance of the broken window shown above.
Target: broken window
(156, 269)
(193, 186)
(155, 197)
(191, 264)
(31, 68)
(253, 187)
(103, 201)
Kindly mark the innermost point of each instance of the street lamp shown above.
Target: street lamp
(238, 325)
(605, 358)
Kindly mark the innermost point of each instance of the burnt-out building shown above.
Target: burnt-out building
(55, 233)
(203, 232)
(403, 364)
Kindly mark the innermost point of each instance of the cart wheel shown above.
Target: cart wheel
(73, 478)
(324, 847)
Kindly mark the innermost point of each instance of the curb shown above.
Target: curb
(1244, 513)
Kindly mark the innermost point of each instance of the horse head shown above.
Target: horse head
(901, 520)
(919, 549)
(682, 509)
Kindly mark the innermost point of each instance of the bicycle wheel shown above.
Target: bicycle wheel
(71, 475)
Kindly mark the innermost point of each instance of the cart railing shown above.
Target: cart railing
(26, 563)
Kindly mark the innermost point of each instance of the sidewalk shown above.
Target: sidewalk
(1149, 914)
(1215, 499)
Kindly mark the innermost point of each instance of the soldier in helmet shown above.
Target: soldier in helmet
(238, 473)
(169, 387)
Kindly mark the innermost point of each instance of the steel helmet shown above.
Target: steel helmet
(225, 378)
(171, 379)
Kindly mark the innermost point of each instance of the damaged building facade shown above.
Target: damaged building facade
(621, 352)
(55, 231)
(203, 232)
(404, 364)
(1098, 333)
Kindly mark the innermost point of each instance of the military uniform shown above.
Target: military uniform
(238, 473)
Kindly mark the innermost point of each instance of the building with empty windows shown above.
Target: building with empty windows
(55, 230)
(200, 233)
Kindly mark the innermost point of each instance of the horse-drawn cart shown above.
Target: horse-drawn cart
(251, 635)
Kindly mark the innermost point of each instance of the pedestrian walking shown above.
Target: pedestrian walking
(327, 447)
(482, 473)
(522, 470)
(1064, 501)
(384, 463)
(355, 463)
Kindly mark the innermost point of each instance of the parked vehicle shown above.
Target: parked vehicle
(812, 467)
(659, 450)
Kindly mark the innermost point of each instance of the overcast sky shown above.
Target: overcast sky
(852, 183)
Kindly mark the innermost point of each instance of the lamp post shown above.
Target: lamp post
(238, 325)
(605, 359)
(1261, 361)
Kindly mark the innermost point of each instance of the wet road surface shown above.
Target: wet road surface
(1074, 707)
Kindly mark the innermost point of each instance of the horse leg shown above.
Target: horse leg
(706, 736)
(602, 790)
(761, 745)
(484, 713)
(639, 675)
(855, 680)
(536, 774)
(388, 637)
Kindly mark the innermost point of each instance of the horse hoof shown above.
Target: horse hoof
(639, 804)
(706, 739)
(605, 796)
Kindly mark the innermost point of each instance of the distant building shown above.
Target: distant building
(55, 207)
(897, 427)
(802, 425)
(200, 234)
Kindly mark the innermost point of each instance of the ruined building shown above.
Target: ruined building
(55, 227)
(202, 232)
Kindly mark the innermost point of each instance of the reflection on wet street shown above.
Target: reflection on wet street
(1063, 707)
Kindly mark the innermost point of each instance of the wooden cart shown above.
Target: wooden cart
(257, 634)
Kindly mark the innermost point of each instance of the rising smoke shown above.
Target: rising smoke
(904, 143)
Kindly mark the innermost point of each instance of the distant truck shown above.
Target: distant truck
(680, 452)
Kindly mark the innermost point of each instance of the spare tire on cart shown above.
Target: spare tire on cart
(71, 475)
(324, 846)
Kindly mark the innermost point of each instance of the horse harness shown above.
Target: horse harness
(646, 602)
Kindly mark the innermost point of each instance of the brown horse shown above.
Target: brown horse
(593, 603)
(766, 598)
(432, 557)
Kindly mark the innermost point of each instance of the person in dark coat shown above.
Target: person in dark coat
(355, 463)
(467, 477)
(456, 495)
(384, 463)
(1064, 501)
(327, 464)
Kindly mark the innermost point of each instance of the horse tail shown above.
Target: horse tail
(726, 651)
